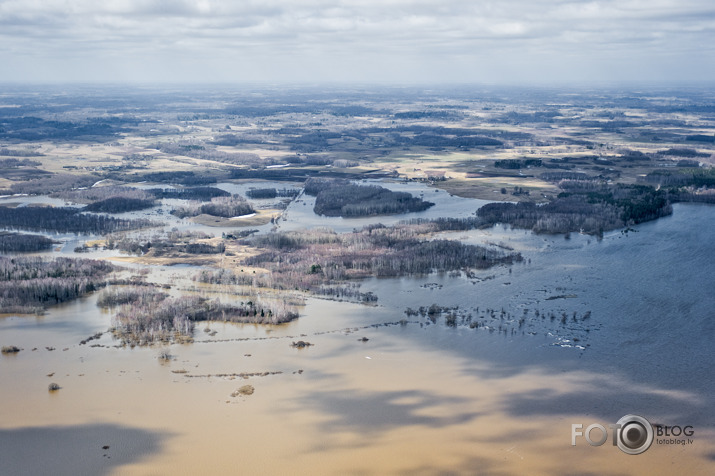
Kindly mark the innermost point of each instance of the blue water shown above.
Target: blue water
(650, 333)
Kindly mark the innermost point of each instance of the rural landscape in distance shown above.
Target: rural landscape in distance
(355, 279)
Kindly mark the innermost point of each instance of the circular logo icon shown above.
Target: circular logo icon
(635, 434)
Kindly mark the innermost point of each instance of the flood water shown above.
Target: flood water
(418, 397)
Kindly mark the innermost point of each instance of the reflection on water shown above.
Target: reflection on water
(95, 449)
(415, 397)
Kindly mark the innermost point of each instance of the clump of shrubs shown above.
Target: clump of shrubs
(145, 315)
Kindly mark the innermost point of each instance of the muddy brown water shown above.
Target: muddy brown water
(415, 398)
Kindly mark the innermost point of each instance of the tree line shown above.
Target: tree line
(351, 200)
(203, 194)
(119, 205)
(33, 129)
(54, 183)
(28, 285)
(587, 210)
(517, 163)
(183, 177)
(681, 178)
(226, 207)
(558, 176)
(5, 152)
(165, 243)
(15, 163)
(65, 220)
(21, 242)
(257, 193)
(200, 151)
(163, 247)
(97, 193)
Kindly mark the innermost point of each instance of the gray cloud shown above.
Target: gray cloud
(447, 40)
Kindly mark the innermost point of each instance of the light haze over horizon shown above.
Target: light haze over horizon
(380, 41)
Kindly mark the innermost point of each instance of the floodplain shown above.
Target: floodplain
(353, 281)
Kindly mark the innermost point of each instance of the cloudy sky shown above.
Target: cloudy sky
(403, 41)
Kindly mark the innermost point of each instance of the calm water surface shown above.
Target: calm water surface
(417, 397)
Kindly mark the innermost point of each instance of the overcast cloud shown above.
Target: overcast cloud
(515, 41)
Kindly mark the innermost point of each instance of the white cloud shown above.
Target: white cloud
(359, 39)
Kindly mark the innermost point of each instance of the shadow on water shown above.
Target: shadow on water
(607, 400)
(374, 412)
(73, 450)
(469, 465)
(475, 465)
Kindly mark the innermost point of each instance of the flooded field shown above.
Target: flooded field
(380, 391)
